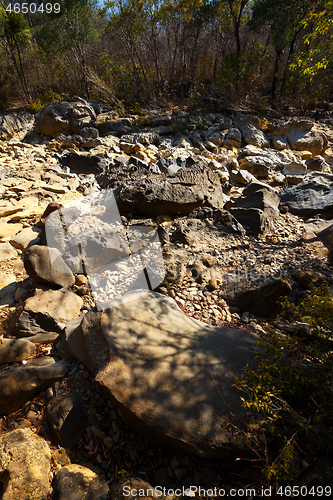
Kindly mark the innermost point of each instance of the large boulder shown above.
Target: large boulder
(313, 196)
(261, 298)
(48, 311)
(15, 350)
(76, 482)
(66, 117)
(250, 131)
(19, 385)
(45, 265)
(302, 135)
(67, 419)
(15, 126)
(259, 166)
(106, 124)
(25, 461)
(177, 194)
(256, 208)
(82, 164)
(171, 376)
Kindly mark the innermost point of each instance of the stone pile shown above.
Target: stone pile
(83, 195)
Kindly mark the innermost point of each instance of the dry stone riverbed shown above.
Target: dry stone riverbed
(221, 222)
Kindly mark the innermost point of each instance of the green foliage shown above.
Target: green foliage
(135, 109)
(51, 96)
(201, 124)
(179, 127)
(34, 106)
(15, 27)
(317, 54)
(143, 122)
(292, 387)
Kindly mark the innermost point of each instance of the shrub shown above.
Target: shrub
(292, 385)
(34, 106)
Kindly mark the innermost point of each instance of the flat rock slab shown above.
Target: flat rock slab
(25, 461)
(7, 289)
(48, 311)
(25, 238)
(19, 385)
(171, 376)
(15, 350)
(45, 265)
(313, 196)
(7, 252)
(7, 231)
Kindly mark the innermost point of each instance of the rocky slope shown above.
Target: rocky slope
(234, 213)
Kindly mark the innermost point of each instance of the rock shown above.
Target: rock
(48, 311)
(45, 265)
(316, 164)
(313, 196)
(307, 279)
(259, 166)
(25, 461)
(242, 176)
(76, 482)
(250, 132)
(233, 138)
(319, 474)
(18, 385)
(7, 289)
(15, 350)
(67, 419)
(7, 231)
(83, 164)
(65, 117)
(89, 133)
(170, 390)
(294, 168)
(178, 194)
(15, 126)
(7, 252)
(106, 126)
(303, 140)
(261, 298)
(280, 142)
(142, 138)
(26, 238)
(222, 220)
(256, 208)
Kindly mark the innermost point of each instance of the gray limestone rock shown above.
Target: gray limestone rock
(313, 196)
(15, 350)
(45, 265)
(18, 385)
(171, 376)
(67, 419)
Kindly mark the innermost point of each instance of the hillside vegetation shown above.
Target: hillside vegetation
(241, 53)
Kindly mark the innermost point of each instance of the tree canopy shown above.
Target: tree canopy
(140, 50)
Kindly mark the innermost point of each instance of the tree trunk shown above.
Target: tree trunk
(275, 75)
